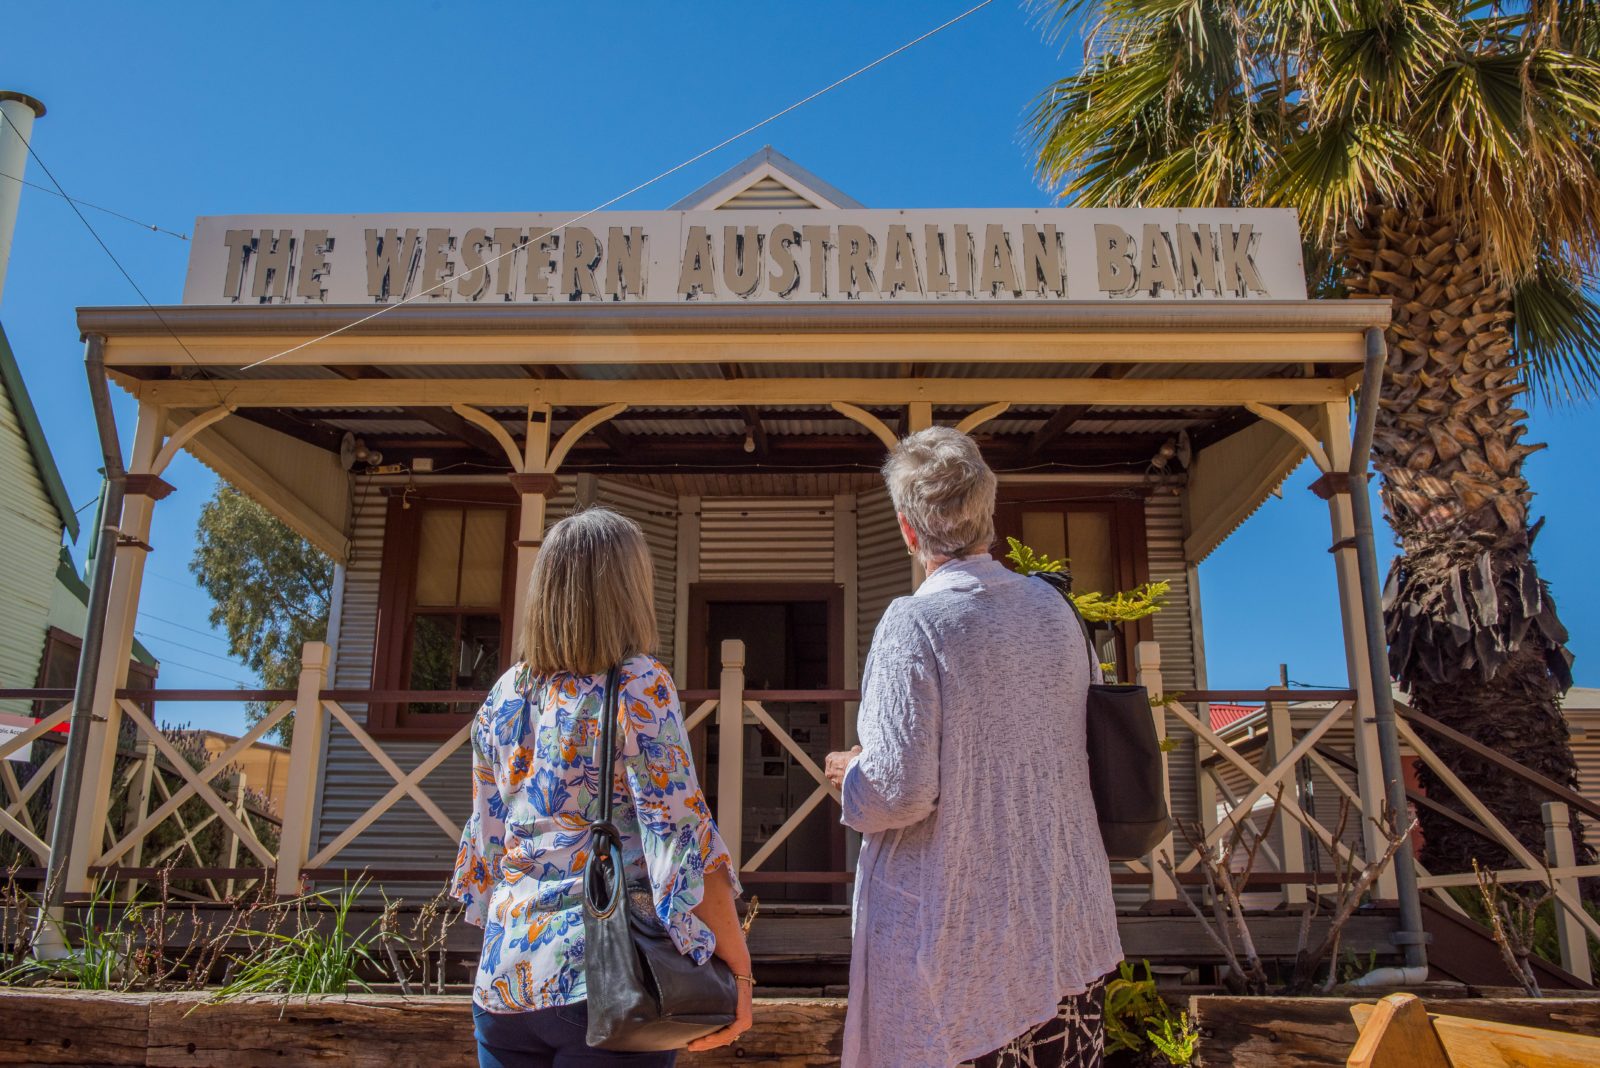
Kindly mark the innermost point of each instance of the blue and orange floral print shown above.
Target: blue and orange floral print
(535, 785)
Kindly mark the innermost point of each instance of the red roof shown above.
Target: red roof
(1222, 715)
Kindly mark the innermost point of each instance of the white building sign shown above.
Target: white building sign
(735, 257)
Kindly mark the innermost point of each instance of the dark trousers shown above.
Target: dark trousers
(1074, 1038)
(549, 1038)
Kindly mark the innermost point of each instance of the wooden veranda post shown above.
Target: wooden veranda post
(730, 750)
(133, 545)
(138, 807)
(1559, 854)
(534, 487)
(1147, 670)
(1291, 838)
(305, 751)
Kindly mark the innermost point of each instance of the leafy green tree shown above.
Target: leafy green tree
(1443, 156)
(270, 587)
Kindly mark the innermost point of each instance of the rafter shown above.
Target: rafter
(441, 419)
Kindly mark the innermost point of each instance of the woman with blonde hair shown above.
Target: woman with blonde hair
(535, 791)
(983, 912)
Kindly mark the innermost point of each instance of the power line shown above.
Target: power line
(174, 643)
(203, 671)
(96, 207)
(724, 143)
(181, 626)
(28, 144)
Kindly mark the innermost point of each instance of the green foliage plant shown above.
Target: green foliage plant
(1176, 1039)
(313, 957)
(1132, 1007)
(1143, 600)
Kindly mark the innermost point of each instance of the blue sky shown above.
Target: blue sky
(169, 111)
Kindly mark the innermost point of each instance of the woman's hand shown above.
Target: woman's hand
(742, 1021)
(838, 764)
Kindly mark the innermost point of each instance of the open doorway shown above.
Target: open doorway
(793, 635)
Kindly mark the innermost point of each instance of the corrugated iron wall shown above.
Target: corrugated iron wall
(351, 780)
(657, 515)
(1163, 519)
(766, 539)
(1585, 726)
(883, 569)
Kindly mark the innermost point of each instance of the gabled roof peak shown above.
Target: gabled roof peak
(767, 179)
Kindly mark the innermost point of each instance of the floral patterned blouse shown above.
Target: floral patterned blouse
(534, 792)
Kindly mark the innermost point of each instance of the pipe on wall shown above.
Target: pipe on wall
(1411, 938)
(86, 684)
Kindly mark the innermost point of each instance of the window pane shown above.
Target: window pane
(478, 664)
(433, 656)
(1089, 539)
(483, 557)
(439, 556)
(1045, 532)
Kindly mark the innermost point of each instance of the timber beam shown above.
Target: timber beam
(423, 393)
(443, 420)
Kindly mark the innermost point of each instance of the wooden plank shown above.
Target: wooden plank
(318, 393)
(788, 1033)
(630, 318)
(1489, 1044)
(1165, 937)
(1319, 1033)
(57, 1027)
(362, 1031)
(1396, 1033)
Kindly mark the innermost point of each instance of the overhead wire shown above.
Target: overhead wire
(97, 207)
(28, 144)
(725, 142)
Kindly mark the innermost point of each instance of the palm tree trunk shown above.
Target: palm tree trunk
(1473, 632)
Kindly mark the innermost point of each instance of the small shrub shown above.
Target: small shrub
(1140, 1026)
(308, 960)
(1175, 1039)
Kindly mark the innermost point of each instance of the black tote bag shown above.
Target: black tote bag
(644, 996)
(1125, 771)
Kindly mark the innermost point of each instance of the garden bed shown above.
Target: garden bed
(359, 1031)
(43, 1027)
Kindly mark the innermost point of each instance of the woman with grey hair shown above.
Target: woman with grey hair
(983, 912)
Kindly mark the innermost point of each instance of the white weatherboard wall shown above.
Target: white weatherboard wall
(30, 530)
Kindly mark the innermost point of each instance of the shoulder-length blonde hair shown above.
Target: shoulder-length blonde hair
(589, 600)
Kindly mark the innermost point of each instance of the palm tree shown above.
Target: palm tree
(1443, 155)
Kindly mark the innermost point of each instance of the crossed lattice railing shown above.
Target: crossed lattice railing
(189, 819)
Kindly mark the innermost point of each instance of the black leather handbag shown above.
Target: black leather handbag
(644, 996)
(1125, 767)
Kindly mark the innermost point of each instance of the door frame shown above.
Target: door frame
(703, 594)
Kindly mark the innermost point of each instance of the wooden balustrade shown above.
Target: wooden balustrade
(1294, 746)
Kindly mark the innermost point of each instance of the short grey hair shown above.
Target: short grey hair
(939, 482)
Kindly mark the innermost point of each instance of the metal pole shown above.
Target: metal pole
(1411, 938)
(83, 697)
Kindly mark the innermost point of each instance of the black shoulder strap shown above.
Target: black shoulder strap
(606, 749)
(1061, 582)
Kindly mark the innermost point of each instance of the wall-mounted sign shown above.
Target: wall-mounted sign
(749, 256)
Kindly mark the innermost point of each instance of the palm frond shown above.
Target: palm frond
(1557, 330)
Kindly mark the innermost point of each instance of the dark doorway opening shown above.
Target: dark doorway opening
(793, 636)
